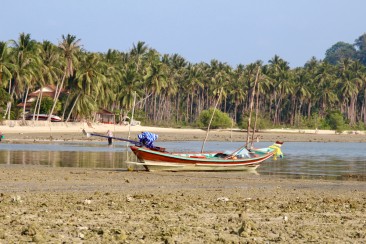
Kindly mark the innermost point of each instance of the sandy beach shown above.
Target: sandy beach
(41, 204)
(43, 131)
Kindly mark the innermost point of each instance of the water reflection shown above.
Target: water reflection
(68, 159)
(302, 160)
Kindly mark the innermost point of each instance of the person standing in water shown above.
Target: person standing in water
(110, 135)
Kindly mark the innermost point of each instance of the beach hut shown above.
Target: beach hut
(104, 116)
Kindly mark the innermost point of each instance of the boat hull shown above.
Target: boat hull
(163, 161)
(54, 118)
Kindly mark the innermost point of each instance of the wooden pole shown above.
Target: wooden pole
(129, 126)
(209, 124)
(251, 107)
(256, 115)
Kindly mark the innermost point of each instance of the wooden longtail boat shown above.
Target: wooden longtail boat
(157, 159)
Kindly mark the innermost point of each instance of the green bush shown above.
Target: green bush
(220, 119)
(46, 105)
(262, 122)
(335, 121)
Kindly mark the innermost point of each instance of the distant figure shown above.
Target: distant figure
(110, 135)
(1, 135)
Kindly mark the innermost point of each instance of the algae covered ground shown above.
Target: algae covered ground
(72, 205)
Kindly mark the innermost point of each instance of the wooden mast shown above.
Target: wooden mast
(251, 106)
(209, 124)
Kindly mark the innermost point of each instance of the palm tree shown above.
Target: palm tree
(175, 77)
(6, 66)
(70, 46)
(301, 92)
(155, 78)
(6, 69)
(138, 53)
(326, 85)
(237, 93)
(26, 65)
(130, 82)
(89, 79)
(50, 68)
(348, 87)
(192, 85)
(282, 83)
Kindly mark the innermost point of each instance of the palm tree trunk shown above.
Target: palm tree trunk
(63, 113)
(72, 108)
(352, 114)
(35, 107)
(177, 107)
(309, 110)
(364, 108)
(39, 105)
(25, 103)
(57, 93)
(8, 105)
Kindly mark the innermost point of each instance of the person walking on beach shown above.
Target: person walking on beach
(110, 135)
(1, 135)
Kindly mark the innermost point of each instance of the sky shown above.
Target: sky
(230, 31)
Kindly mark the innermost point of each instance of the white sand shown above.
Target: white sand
(13, 126)
(47, 127)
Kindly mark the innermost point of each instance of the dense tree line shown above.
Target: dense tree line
(171, 91)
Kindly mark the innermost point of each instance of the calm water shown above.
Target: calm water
(302, 159)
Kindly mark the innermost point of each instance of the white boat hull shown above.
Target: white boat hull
(154, 166)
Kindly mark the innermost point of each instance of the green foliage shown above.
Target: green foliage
(220, 119)
(171, 91)
(313, 122)
(339, 51)
(361, 44)
(335, 121)
(46, 106)
(4, 97)
(358, 126)
(263, 122)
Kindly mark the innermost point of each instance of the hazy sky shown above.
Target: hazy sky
(231, 31)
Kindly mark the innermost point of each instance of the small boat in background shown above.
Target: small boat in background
(54, 118)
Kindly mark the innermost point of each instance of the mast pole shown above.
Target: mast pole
(209, 124)
(251, 107)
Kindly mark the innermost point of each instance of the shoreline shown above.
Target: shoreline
(61, 131)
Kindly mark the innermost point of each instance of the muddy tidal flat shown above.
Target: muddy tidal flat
(74, 205)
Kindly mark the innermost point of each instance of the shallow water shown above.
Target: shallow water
(302, 159)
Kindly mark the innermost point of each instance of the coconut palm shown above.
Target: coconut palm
(26, 54)
(6, 70)
(50, 69)
(348, 88)
(89, 79)
(70, 47)
(282, 83)
(6, 66)
(155, 78)
(326, 84)
(301, 92)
